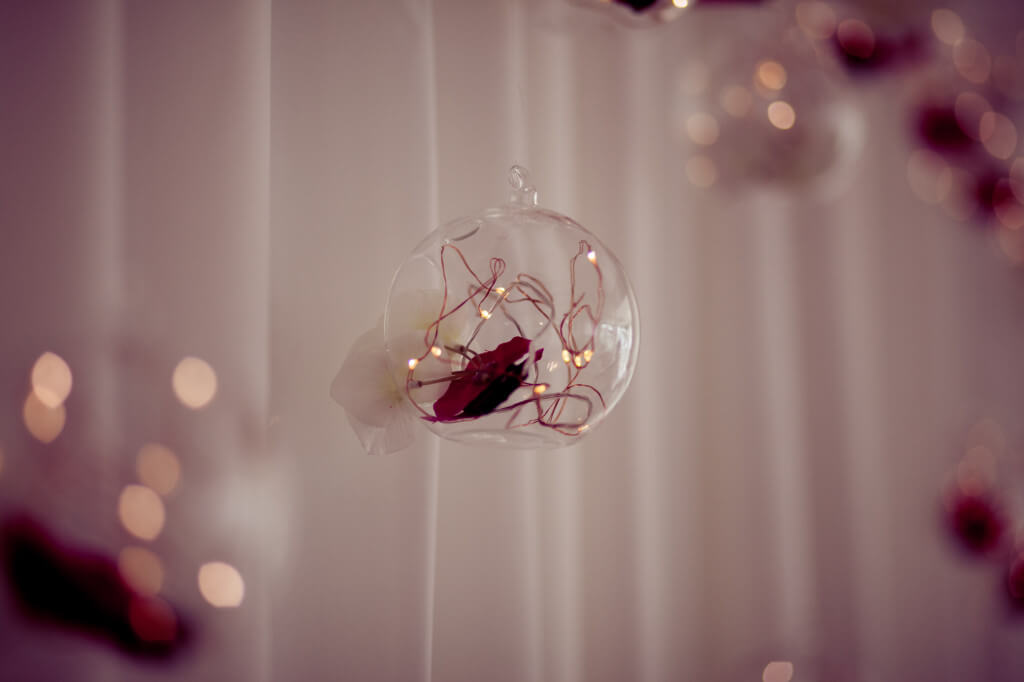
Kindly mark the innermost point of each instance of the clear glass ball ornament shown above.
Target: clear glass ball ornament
(515, 326)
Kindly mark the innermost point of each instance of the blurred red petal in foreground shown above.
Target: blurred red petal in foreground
(1015, 582)
(977, 521)
(82, 591)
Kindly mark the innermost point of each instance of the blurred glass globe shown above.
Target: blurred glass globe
(768, 105)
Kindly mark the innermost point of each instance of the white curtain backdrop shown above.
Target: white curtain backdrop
(239, 180)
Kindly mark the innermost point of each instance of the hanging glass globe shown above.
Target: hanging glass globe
(514, 327)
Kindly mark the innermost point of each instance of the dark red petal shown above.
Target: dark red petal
(460, 393)
(637, 5)
(992, 192)
(496, 392)
(489, 374)
(977, 522)
(1015, 582)
(507, 353)
(83, 591)
(938, 127)
(864, 52)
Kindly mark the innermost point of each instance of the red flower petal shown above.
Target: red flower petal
(1015, 582)
(977, 522)
(488, 380)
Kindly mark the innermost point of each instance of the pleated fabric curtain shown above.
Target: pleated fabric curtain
(238, 181)
(136, 230)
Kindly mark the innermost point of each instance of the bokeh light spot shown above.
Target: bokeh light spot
(736, 100)
(972, 60)
(141, 511)
(947, 26)
(43, 422)
(1008, 210)
(221, 584)
(701, 171)
(816, 19)
(856, 38)
(152, 619)
(1017, 178)
(702, 128)
(1008, 77)
(998, 134)
(158, 468)
(51, 379)
(969, 108)
(1011, 243)
(960, 204)
(976, 471)
(142, 569)
(988, 432)
(778, 671)
(781, 115)
(771, 75)
(194, 382)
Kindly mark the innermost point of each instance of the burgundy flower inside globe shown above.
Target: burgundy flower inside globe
(513, 327)
(488, 380)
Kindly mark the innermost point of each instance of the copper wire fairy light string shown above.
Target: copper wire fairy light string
(566, 333)
(513, 320)
(432, 332)
(549, 406)
(559, 401)
(577, 307)
(497, 266)
(525, 284)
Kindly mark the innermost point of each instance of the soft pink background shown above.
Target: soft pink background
(239, 180)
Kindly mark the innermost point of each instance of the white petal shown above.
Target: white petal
(363, 385)
(380, 440)
(416, 311)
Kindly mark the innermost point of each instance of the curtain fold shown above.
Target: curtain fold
(354, 185)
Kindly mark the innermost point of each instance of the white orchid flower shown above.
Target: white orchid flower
(375, 406)
(373, 390)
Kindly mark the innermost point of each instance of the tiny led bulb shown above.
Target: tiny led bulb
(566, 357)
(435, 351)
(587, 355)
(540, 388)
(591, 256)
(413, 362)
(578, 360)
(486, 314)
(583, 428)
(499, 290)
(681, 4)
